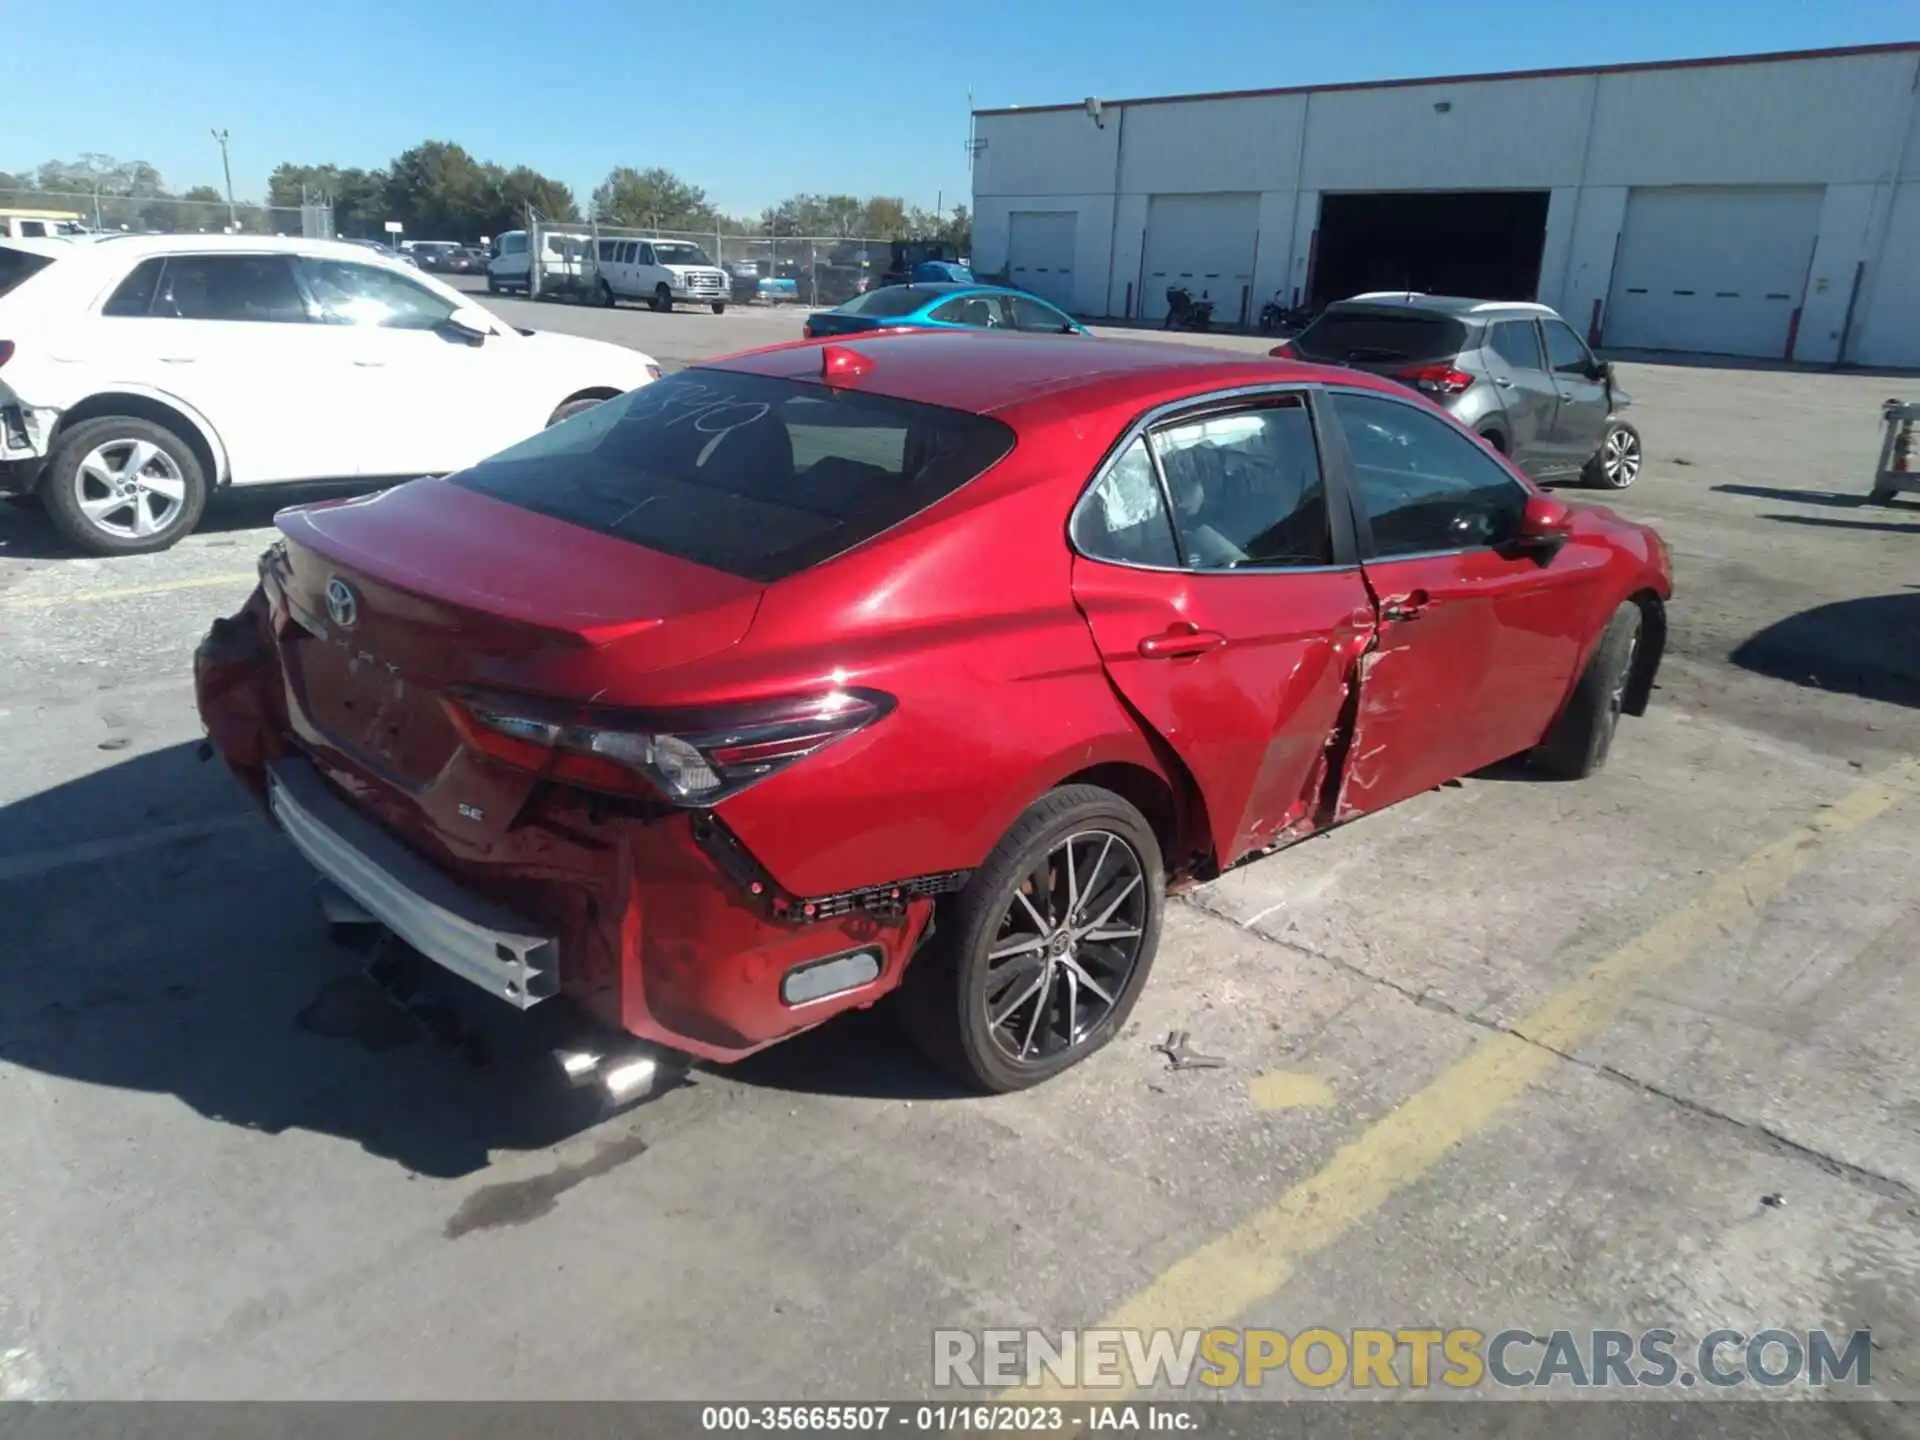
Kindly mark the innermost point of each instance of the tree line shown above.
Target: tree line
(439, 191)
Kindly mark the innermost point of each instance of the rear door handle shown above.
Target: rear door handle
(1410, 606)
(177, 359)
(1183, 637)
(1503, 382)
(370, 364)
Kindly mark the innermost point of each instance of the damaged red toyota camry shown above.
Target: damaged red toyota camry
(924, 663)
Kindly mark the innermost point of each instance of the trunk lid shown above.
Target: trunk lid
(405, 595)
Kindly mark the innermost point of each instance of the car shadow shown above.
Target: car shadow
(1868, 647)
(1839, 500)
(27, 534)
(1686, 360)
(1890, 527)
(161, 939)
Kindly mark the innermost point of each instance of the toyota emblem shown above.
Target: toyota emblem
(340, 603)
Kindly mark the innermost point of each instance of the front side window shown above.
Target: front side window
(513, 244)
(609, 250)
(1124, 516)
(1424, 485)
(350, 294)
(252, 288)
(1566, 352)
(1246, 487)
(980, 312)
(1517, 343)
(755, 476)
(1029, 314)
(646, 254)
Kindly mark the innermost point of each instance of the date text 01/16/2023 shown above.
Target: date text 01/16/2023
(980, 1418)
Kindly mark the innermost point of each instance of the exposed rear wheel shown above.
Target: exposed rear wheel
(1041, 958)
(121, 485)
(1582, 738)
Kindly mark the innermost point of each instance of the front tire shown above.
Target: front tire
(121, 485)
(719, 308)
(1581, 739)
(662, 299)
(1616, 464)
(1041, 957)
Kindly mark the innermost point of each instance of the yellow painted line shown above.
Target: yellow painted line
(131, 592)
(1289, 1090)
(1225, 1278)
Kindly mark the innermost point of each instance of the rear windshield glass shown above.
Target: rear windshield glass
(1359, 337)
(17, 265)
(890, 300)
(755, 476)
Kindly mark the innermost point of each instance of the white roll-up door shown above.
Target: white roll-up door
(1040, 253)
(1205, 243)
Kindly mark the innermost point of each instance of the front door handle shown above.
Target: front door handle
(177, 359)
(370, 364)
(1183, 637)
(1503, 382)
(1410, 606)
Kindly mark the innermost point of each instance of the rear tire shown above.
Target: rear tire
(1027, 924)
(1582, 738)
(110, 479)
(1616, 464)
(662, 299)
(607, 300)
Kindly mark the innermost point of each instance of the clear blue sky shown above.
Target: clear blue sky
(867, 97)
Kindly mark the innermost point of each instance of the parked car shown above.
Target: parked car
(435, 255)
(1514, 373)
(943, 306)
(662, 273)
(467, 260)
(139, 374)
(832, 669)
(511, 267)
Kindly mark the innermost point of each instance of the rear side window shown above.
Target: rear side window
(1124, 517)
(17, 265)
(231, 287)
(758, 477)
(134, 295)
(1365, 337)
(888, 300)
(1517, 343)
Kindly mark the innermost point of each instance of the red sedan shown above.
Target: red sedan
(925, 662)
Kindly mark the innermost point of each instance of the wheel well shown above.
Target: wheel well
(1151, 796)
(1653, 645)
(1494, 436)
(96, 407)
(592, 392)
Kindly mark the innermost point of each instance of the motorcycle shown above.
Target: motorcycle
(1186, 313)
(1279, 319)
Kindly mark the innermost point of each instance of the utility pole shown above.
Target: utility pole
(233, 221)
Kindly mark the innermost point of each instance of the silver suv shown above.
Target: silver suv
(1513, 371)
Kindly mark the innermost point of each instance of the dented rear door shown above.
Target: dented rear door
(1243, 670)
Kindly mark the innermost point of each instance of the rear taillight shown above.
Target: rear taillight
(689, 758)
(6, 351)
(1441, 379)
(1284, 351)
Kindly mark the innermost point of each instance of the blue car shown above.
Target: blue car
(944, 307)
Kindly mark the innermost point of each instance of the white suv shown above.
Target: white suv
(138, 374)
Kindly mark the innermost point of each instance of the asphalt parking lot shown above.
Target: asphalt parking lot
(1632, 1052)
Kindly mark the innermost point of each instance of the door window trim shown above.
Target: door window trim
(1346, 548)
(1357, 515)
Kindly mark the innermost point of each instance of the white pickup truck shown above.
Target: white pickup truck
(661, 272)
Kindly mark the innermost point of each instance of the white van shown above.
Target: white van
(512, 269)
(661, 272)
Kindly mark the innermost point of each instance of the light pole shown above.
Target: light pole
(233, 222)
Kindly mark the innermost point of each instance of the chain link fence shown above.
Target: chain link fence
(588, 261)
(63, 211)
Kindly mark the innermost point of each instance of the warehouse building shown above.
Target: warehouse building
(1760, 205)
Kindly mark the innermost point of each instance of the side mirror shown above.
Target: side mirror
(1545, 524)
(471, 324)
(1600, 370)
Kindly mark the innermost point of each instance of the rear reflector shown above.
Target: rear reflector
(1441, 379)
(817, 979)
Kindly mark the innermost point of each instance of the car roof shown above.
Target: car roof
(1460, 306)
(1001, 372)
(40, 245)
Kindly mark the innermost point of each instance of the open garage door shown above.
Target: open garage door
(1040, 253)
(1485, 244)
(1717, 269)
(1206, 243)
